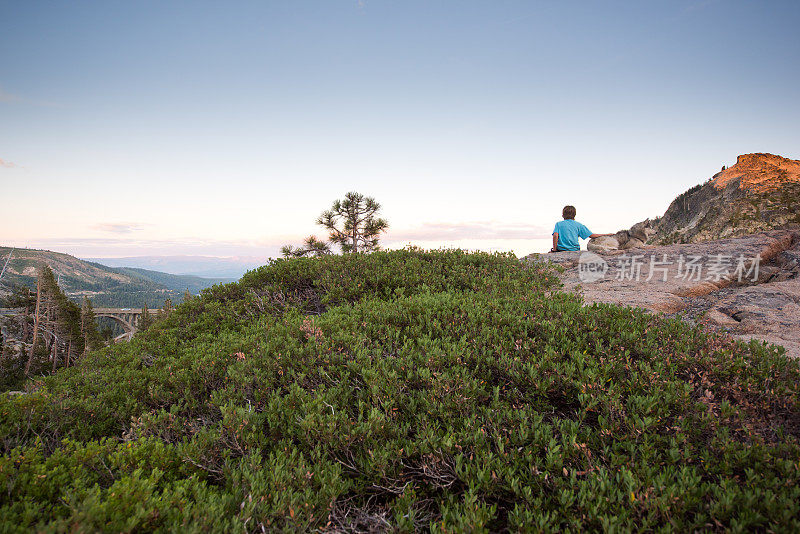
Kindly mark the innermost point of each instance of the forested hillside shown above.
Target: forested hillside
(178, 283)
(407, 389)
(105, 286)
(53, 331)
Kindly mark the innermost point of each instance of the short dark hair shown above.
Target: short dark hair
(568, 212)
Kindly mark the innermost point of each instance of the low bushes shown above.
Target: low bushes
(406, 390)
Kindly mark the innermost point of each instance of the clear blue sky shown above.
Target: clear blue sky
(224, 128)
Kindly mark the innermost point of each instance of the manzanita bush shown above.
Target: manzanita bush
(407, 390)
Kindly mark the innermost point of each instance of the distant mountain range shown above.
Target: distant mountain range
(176, 282)
(104, 285)
(204, 266)
(760, 192)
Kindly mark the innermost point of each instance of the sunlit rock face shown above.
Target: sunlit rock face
(761, 192)
(759, 172)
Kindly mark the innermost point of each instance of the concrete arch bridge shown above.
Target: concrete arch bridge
(128, 318)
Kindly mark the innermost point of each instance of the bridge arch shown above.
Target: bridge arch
(128, 318)
(129, 328)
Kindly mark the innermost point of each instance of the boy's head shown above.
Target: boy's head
(568, 212)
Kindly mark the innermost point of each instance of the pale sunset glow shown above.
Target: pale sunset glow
(224, 129)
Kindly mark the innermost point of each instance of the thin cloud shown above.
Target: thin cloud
(10, 98)
(115, 242)
(8, 164)
(480, 230)
(118, 228)
(128, 245)
(178, 242)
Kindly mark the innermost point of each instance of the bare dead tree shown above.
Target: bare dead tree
(35, 325)
(54, 355)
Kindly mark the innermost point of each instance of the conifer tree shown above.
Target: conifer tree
(59, 322)
(166, 309)
(145, 320)
(46, 315)
(312, 247)
(353, 224)
(53, 315)
(89, 333)
(21, 297)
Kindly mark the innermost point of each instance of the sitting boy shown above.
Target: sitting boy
(567, 232)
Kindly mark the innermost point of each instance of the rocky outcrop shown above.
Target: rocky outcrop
(759, 173)
(637, 236)
(748, 287)
(761, 192)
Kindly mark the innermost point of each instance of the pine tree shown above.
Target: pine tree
(145, 320)
(166, 309)
(312, 247)
(87, 315)
(46, 316)
(21, 297)
(60, 324)
(54, 312)
(54, 353)
(89, 333)
(353, 223)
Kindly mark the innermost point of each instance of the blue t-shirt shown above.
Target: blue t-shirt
(569, 231)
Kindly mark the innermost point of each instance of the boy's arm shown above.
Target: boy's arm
(599, 235)
(555, 242)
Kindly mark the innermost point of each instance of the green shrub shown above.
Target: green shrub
(407, 390)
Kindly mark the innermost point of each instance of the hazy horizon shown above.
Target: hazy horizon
(230, 267)
(194, 128)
